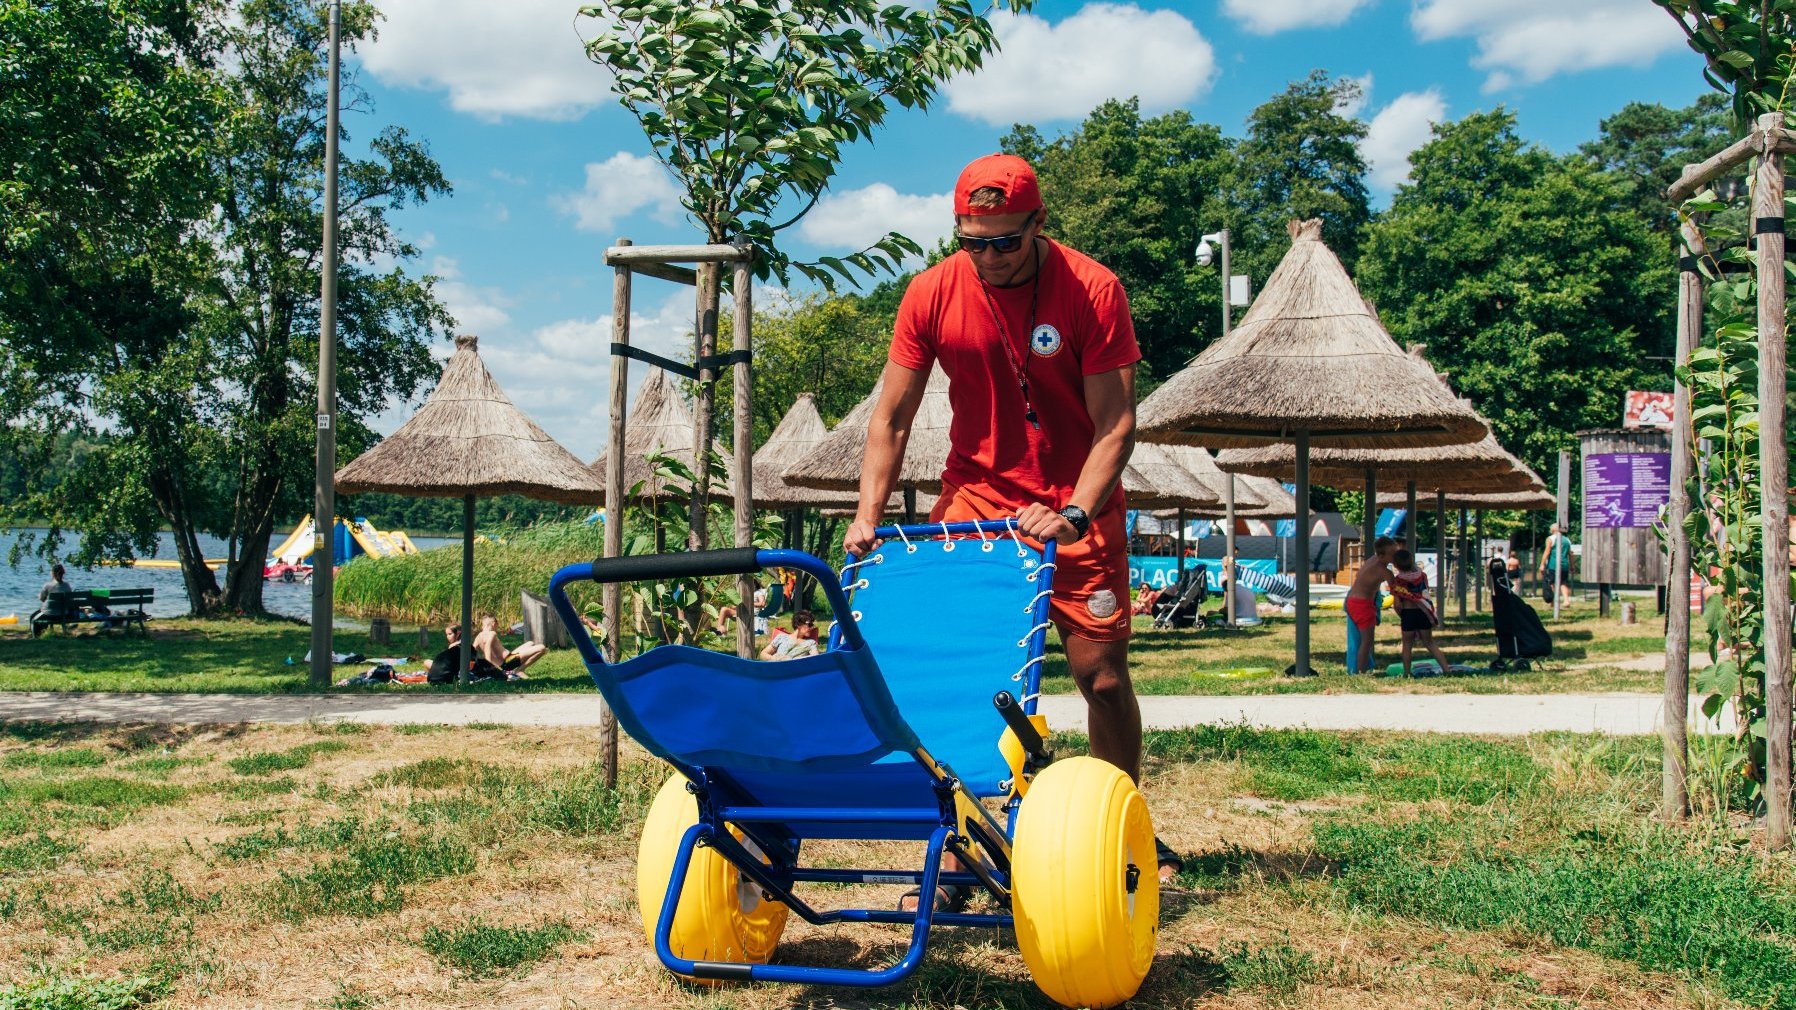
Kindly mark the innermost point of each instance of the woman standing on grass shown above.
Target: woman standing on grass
(1415, 614)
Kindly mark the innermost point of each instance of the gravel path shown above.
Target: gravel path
(1508, 715)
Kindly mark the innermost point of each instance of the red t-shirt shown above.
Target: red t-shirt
(1082, 327)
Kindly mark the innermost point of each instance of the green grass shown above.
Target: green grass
(69, 757)
(80, 992)
(373, 876)
(267, 762)
(483, 951)
(251, 657)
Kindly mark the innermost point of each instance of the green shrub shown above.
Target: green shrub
(85, 992)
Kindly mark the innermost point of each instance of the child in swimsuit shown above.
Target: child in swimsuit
(1415, 614)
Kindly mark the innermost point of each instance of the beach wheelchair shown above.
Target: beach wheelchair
(917, 724)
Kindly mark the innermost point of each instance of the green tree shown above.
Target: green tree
(1134, 194)
(1646, 146)
(194, 327)
(831, 347)
(1748, 48)
(1299, 160)
(1531, 279)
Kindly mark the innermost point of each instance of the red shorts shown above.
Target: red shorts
(1091, 577)
(1362, 612)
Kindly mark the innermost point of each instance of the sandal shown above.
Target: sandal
(1171, 863)
(949, 898)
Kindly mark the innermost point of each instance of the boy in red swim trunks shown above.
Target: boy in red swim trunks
(1362, 602)
(1040, 353)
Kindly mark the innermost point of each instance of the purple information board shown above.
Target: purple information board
(1624, 489)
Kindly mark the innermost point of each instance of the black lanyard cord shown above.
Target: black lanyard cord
(1020, 369)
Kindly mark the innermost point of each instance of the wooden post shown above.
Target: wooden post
(1440, 553)
(1228, 539)
(704, 339)
(741, 331)
(1412, 519)
(1674, 800)
(1564, 514)
(1478, 556)
(1774, 482)
(1301, 567)
(1179, 539)
(1368, 527)
(467, 589)
(1459, 569)
(613, 594)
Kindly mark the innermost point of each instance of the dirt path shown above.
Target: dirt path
(1507, 715)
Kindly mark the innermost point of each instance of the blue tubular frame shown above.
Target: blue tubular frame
(719, 799)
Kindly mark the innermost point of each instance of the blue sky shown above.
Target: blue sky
(548, 170)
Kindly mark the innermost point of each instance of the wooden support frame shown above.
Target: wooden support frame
(1769, 142)
(661, 262)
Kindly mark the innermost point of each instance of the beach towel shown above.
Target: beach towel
(1411, 588)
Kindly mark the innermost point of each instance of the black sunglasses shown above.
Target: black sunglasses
(1003, 243)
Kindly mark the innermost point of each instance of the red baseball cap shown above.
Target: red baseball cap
(1006, 173)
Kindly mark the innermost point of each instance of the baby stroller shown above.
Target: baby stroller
(1521, 639)
(890, 734)
(1186, 595)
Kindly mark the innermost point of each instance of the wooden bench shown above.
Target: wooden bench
(65, 610)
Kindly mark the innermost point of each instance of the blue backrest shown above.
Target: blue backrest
(951, 623)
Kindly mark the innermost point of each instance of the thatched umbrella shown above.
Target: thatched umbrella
(835, 464)
(658, 423)
(797, 434)
(1309, 363)
(466, 441)
(1155, 478)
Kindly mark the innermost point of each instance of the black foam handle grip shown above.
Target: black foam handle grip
(693, 564)
(1019, 723)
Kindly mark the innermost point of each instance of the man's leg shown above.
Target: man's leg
(1101, 669)
(1366, 633)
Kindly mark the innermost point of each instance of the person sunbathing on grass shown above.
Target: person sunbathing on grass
(511, 662)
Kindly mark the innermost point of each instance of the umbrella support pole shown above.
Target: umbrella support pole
(1478, 576)
(1459, 568)
(1440, 553)
(1301, 567)
(1228, 566)
(1410, 518)
(467, 589)
(1368, 527)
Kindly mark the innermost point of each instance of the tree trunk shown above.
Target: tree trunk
(202, 586)
(243, 583)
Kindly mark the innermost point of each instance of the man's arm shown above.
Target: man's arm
(888, 431)
(1110, 400)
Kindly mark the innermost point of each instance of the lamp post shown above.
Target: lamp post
(325, 506)
(1204, 256)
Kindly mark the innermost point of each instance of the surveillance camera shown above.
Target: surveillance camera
(1204, 254)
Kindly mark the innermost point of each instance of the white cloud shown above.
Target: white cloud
(857, 218)
(620, 186)
(519, 58)
(1267, 17)
(1063, 71)
(476, 309)
(1398, 129)
(1528, 41)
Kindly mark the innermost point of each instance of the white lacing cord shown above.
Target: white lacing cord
(1021, 551)
(985, 542)
(871, 559)
(947, 541)
(1030, 609)
(859, 584)
(1027, 698)
(909, 548)
(1018, 676)
(1023, 642)
(1031, 576)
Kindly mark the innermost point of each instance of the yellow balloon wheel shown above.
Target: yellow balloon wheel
(1085, 883)
(722, 915)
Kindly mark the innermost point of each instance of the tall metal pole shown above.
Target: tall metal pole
(1301, 566)
(1674, 795)
(612, 596)
(1774, 480)
(1564, 513)
(324, 506)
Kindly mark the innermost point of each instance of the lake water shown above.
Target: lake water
(19, 586)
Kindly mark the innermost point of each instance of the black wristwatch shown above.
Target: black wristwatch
(1076, 515)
